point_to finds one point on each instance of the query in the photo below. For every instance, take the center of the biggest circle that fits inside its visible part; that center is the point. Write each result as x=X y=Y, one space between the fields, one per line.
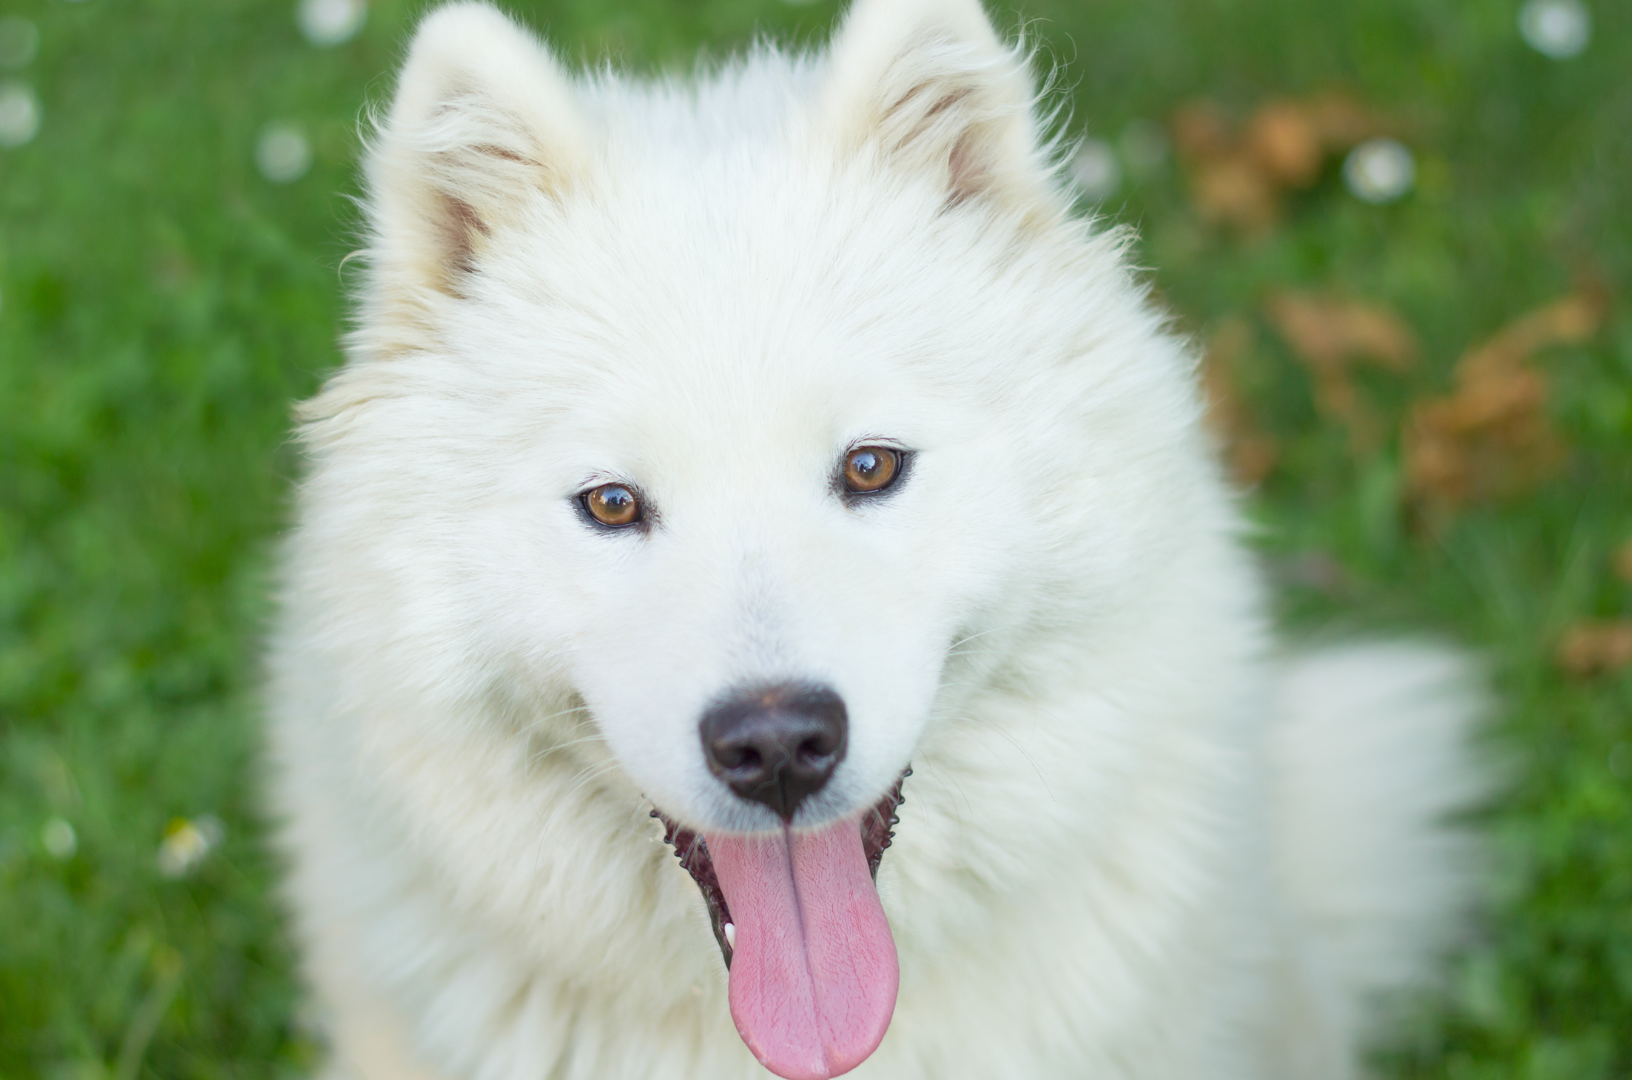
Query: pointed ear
x=483 y=122
x=929 y=87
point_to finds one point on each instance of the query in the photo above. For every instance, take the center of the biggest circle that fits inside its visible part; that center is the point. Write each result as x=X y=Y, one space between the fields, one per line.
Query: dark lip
x=877 y=830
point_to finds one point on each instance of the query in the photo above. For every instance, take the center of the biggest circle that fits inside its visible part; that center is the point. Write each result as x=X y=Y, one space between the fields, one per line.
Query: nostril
x=736 y=757
x=814 y=748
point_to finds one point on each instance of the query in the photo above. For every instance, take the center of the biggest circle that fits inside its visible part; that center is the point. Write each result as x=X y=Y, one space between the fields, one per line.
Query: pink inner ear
x=966 y=176
x=459 y=225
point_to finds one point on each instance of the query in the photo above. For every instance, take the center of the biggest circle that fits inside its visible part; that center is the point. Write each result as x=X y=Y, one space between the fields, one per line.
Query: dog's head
x=758 y=420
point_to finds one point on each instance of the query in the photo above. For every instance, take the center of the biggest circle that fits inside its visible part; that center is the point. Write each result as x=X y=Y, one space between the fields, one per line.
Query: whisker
x=963 y=652
x=568 y=744
x=594 y=772
x=970 y=637
x=947 y=780
x=966 y=719
x=542 y=720
x=1033 y=762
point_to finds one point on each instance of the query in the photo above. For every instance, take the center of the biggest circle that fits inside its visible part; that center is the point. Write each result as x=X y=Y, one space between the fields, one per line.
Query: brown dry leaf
x=1290 y=139
x=1284 y=143
x=1331 y=336
x=1250 y=452
x=1592 y=647
x=1490 y=440
x=1233 y=191
x=1229 y=187
x=1238 y=177
x=1491 y=436
x=1569 y=321
x=1623 y=562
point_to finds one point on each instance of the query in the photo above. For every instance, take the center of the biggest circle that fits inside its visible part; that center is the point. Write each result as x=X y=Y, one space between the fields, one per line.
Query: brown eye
x=613 y=505
x=869 y=469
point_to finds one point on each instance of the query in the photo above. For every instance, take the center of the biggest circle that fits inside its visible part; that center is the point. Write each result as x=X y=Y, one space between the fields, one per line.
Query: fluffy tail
x=1373 y=756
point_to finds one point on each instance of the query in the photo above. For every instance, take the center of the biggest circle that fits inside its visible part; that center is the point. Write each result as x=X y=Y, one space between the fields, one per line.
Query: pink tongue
x=813 y=970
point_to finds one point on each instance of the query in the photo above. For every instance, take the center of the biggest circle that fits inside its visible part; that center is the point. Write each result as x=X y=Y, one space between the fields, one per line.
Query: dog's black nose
x=776 y=745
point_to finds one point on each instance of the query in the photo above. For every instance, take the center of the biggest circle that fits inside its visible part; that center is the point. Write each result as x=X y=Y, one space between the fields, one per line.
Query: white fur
x=1136 y=843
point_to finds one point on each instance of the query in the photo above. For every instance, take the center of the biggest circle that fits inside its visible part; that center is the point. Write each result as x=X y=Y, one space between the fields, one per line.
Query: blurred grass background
x=162 y=301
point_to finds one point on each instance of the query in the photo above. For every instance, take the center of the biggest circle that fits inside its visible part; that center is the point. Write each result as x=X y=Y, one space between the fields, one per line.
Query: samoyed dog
x=769 y=470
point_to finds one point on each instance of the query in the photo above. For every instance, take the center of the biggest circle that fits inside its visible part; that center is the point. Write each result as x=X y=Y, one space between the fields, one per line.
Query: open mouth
x=812 y=962
x=877 y=830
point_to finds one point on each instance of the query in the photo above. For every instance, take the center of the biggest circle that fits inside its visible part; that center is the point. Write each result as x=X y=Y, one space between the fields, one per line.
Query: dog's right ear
x=483 y=124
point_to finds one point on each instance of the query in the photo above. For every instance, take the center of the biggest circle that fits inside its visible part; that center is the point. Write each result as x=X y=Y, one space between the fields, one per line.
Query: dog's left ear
x=928 y=87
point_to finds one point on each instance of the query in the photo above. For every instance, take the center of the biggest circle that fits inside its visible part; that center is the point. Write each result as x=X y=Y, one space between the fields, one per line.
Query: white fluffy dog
x=707 y=453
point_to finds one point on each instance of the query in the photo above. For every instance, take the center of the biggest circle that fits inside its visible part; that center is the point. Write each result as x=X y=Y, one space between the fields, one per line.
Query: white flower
x=59 y=838
x=282 y=153
x=19 y=114
x=331 y=22
x=1095 y=170
x=1556 y=28
x=1380 y=170
x=187 y=843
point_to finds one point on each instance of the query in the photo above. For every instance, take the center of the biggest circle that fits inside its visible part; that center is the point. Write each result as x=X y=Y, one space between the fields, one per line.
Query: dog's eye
x=871 y=469
x=613 y=505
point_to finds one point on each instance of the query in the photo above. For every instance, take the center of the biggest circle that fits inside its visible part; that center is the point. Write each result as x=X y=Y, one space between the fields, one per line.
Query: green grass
x=161 y=304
